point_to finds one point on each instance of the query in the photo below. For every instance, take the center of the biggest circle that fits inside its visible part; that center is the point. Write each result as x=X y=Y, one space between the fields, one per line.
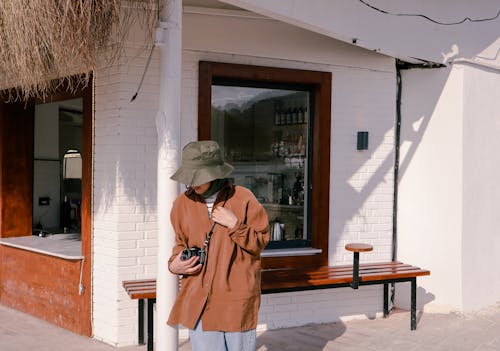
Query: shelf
x=275 y=206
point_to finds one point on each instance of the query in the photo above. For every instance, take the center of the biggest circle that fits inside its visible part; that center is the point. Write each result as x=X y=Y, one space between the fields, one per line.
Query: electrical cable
x=428 y=18
x=143 y=74
x=149 y=58
x=81 y=287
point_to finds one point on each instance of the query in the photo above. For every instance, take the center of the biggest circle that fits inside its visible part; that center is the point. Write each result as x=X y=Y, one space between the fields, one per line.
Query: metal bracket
x=163 y=26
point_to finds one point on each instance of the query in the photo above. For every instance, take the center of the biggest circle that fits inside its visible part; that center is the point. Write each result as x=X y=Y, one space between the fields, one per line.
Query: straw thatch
x=43 y=40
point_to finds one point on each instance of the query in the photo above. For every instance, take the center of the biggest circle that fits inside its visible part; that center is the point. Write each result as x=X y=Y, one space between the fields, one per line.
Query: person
x=219 y=299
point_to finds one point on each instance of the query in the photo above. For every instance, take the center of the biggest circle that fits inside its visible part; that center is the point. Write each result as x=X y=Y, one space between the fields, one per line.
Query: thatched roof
x=43 y=40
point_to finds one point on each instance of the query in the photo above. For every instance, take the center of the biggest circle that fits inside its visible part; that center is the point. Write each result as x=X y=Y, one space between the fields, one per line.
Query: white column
x=169 y=40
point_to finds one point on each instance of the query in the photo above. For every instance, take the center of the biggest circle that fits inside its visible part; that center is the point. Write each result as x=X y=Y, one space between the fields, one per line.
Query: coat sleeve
x=252 y=232
x=180 y=238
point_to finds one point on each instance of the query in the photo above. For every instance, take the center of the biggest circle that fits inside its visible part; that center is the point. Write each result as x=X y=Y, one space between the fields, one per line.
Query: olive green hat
x=202 y=162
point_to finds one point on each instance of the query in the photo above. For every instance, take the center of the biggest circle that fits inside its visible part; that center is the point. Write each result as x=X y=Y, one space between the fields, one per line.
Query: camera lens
x=190 y=252
x=186 y=254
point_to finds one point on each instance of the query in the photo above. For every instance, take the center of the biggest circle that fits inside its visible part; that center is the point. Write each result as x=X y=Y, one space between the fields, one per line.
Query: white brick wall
x=124 y=207
x=124 y=204
x=362 y=100
x=318 y=306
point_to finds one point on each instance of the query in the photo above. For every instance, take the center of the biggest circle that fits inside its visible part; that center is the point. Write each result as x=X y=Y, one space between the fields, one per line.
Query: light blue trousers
x=221 y=341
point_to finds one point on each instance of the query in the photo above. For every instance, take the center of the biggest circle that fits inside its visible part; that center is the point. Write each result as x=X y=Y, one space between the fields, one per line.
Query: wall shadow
x=353 y=209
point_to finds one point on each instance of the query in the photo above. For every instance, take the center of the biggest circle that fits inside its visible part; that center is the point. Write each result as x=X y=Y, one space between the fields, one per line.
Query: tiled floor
x=475 y=332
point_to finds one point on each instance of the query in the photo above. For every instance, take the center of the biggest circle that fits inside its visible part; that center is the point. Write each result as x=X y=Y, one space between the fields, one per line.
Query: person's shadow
x=313 y=337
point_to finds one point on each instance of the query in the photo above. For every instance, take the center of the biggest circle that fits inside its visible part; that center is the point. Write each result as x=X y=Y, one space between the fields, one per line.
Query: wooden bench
x=144 y=289
x=297 y=279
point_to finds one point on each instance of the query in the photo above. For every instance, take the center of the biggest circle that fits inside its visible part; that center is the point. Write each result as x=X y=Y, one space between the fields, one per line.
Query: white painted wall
x=448 y=203
x=430 y=204
x=409 y=37
x=481 y=231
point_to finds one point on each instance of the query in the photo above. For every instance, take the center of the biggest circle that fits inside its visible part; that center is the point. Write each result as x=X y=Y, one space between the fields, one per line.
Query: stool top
x=358 y=247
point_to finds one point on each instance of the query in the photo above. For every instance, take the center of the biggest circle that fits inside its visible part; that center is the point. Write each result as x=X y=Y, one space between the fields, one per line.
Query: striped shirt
x=209 y=201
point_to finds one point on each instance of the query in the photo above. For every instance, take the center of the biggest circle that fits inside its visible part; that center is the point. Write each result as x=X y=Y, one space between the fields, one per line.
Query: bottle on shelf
x=300 y=116
x=300 y=140
x=298 y=189
x=289 y=113
x=277 y=116
x=295 y=113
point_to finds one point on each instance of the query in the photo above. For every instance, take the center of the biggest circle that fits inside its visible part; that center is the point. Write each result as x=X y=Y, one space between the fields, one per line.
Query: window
x=35 y=137
x=57 y=167
x=274 y=127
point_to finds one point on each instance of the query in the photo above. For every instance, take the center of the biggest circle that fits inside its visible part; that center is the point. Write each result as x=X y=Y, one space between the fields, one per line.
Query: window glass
x=57 y=167
x=265 y=134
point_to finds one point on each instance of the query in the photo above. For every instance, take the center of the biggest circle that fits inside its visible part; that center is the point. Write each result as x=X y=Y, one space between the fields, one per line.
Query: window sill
x=66 y=246
x=307 y=251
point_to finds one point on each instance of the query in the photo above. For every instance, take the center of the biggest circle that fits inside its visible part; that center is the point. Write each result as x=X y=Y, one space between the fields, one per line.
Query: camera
x=193 y=251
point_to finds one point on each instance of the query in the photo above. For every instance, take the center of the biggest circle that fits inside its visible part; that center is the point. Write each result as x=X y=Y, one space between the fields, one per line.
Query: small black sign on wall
x=362 y=140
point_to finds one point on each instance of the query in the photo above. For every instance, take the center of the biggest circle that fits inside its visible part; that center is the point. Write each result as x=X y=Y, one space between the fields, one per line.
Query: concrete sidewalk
x=477 y=331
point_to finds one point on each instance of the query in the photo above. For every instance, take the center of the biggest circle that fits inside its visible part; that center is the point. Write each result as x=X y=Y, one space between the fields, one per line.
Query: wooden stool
x=357 y=248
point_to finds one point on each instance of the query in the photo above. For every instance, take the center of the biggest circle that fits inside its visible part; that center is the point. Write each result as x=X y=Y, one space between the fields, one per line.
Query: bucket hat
x=202 y=162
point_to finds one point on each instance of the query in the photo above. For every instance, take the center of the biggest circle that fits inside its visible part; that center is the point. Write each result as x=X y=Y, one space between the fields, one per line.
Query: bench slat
x=138 y=287
x=332 y=273
x=126 y=283
x=344 y=278
x=297 y=278
x=131 y=285
x=147 y=294
x=282 y=280
x=313 y=271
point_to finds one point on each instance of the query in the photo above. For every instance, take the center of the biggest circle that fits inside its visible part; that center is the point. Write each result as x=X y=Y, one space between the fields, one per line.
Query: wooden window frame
x=320 y=83
x=17 y=220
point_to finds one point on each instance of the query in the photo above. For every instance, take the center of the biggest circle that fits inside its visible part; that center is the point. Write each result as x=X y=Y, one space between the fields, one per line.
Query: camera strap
x=209 y=235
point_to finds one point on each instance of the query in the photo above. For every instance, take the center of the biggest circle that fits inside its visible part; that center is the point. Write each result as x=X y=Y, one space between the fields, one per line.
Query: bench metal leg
x=140 y=314
x=413 y=303
x=355 y=271
x=386 y=300
x=151 y=303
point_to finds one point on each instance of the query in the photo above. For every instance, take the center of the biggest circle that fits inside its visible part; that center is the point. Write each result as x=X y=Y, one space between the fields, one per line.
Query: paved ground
x=475 y=332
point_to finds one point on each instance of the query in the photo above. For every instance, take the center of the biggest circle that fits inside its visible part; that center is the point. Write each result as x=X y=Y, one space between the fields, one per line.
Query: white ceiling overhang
x=412 y=38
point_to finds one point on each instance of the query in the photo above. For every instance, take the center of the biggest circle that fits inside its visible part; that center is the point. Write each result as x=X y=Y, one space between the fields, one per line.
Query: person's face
x=200 y=189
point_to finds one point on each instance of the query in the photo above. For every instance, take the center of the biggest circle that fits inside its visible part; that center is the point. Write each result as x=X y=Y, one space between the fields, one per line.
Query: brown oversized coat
x=226 y=293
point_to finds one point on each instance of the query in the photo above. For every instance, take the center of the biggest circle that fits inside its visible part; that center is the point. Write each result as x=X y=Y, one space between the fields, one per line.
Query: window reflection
x=265 y=134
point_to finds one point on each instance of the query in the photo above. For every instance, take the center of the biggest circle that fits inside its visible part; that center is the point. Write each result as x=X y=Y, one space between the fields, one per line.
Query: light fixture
x=72 y=165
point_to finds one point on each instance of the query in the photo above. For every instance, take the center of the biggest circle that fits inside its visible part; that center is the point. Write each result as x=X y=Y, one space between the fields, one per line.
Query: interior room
x=57 y=168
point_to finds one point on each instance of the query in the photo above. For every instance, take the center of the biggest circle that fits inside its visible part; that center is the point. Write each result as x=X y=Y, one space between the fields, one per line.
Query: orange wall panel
x=45 y=287
x=16 y=167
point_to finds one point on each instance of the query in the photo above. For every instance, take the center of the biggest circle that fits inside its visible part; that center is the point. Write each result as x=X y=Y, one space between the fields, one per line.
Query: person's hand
x=224 y=217
x=188 y=267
